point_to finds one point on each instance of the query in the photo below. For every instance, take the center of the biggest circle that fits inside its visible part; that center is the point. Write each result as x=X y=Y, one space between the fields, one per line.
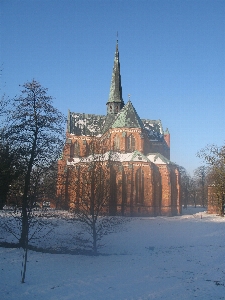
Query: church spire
x=115 y=102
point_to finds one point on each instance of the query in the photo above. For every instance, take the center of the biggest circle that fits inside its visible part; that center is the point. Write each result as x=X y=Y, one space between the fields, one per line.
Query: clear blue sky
x=172 y=56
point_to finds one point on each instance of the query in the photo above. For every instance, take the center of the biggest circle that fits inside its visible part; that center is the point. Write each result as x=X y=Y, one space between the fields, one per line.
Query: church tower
x=115 y=102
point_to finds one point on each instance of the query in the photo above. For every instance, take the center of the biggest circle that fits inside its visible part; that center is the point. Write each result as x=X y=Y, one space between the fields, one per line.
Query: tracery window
x=76 y=149
x=139 y=186
x=130 y=143
x=116 y=143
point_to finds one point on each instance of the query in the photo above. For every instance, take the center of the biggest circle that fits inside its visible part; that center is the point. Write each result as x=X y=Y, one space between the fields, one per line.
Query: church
x=137 y=177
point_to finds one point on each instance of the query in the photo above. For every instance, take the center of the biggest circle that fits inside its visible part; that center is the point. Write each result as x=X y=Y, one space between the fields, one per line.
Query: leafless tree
x=200 y=176
x=36 y=132
x=93 y=191
x=193 y=194
x=214 y=156
x=185 y=186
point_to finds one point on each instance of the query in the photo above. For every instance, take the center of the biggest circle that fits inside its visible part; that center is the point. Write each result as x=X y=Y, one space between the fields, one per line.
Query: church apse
x=142 y=179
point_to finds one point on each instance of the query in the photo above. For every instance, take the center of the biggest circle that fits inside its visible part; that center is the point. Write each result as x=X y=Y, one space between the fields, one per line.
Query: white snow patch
x=152 y=258
x=113 y=156
x=156 y=159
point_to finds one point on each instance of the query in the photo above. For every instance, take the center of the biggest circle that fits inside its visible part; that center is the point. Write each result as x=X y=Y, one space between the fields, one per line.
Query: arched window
x=91 y=148
x=130 y=143
x=76 y=147
x=139 y=186
x=116 y=143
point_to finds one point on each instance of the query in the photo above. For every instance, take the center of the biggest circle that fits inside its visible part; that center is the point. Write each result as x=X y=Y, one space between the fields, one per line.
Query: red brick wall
x=161 y=188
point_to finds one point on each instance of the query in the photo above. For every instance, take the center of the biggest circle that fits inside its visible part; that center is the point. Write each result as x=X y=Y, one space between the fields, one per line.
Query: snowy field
x=150 y=258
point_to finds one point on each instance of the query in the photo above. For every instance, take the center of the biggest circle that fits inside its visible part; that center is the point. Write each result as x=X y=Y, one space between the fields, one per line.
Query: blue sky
x=172 y=56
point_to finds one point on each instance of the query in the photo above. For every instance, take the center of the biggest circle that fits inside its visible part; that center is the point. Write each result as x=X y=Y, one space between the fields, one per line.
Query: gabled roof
x=128 y=117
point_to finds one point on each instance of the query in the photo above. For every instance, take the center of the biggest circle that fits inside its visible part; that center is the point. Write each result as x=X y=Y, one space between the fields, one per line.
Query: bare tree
x=10 y=164
x=214 y=156
x=200 y=175
x=4 y=103
x=36 y=132
x=185 y=186
x=92 y=194
x=10 y=170
x=193 y=194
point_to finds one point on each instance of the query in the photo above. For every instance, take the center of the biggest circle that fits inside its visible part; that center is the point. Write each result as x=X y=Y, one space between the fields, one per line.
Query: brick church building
x=141 y=178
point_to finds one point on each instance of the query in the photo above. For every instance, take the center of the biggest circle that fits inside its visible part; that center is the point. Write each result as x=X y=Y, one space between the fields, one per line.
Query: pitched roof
x=108 y=122
x=94 y=125
x=128 y=117
x=85 y=124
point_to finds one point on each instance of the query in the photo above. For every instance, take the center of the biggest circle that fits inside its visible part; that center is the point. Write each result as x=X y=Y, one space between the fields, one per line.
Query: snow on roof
x=96 y=125
x=85 y=124
x=159 y=159
x=113 y=156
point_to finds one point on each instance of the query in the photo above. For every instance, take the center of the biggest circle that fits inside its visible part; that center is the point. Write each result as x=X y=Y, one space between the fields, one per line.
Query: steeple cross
x=129 y=97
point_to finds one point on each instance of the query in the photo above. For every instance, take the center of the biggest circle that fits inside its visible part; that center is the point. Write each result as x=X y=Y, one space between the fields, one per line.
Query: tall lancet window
x=76 y=151
x=116 y=143
x=139 y=186
x=130 y=143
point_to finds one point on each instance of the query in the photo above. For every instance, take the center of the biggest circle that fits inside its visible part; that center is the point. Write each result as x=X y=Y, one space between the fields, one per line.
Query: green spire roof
x=128 y=117
x=115 y=94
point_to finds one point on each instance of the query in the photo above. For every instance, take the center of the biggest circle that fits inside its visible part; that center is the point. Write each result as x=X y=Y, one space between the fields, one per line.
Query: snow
x=113 y=156
x=179 y=257
x=156 y=159
x=136 y=156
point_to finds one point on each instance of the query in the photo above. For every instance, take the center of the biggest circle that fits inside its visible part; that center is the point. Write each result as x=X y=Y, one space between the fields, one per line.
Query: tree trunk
x=25 y=224
x=194 y=198
x=1 y=203
x=24 y=231
x=94 y=234
x=222 y=206
x=23 y=272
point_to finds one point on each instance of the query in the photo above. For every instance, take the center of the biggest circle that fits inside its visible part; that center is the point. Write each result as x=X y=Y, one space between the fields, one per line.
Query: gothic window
x=139 y=186
x=71 y=150
x=116 y=143
x=91 y=148
x=76 y=149
x=130 y=143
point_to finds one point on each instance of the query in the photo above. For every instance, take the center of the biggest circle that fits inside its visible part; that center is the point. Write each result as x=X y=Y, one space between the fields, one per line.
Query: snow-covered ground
x=151 y=258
